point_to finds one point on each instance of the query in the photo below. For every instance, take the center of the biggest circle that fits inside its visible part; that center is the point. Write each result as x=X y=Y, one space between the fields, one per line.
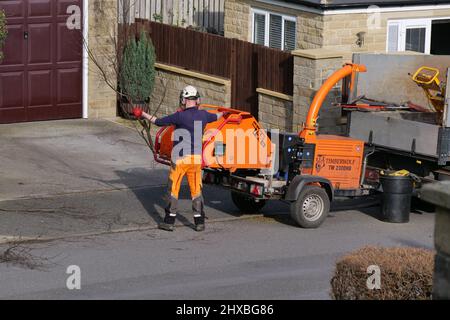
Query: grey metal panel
x=446 y=121
x=387 y=76
x=394 y=133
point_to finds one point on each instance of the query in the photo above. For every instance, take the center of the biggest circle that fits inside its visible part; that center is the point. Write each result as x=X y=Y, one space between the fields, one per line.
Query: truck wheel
x=247 y=204
x=311 y=208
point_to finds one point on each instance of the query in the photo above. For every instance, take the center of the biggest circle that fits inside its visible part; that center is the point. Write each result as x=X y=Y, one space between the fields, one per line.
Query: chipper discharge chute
x=304 y=169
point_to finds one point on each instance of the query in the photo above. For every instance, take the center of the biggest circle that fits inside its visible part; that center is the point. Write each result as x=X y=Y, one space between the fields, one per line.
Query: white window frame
x=267 y=14
x=405 y=24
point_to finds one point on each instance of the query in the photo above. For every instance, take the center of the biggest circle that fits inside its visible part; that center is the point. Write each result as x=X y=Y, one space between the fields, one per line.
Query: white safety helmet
x=190 y=93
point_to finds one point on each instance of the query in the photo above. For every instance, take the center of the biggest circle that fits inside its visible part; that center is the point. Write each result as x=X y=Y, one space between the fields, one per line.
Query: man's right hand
x=137 y=112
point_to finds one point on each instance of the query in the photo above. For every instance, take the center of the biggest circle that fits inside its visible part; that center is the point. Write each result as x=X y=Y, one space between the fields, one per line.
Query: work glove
x=137 y=112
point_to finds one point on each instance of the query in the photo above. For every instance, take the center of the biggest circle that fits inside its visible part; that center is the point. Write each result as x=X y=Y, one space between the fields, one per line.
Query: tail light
x=256 y=190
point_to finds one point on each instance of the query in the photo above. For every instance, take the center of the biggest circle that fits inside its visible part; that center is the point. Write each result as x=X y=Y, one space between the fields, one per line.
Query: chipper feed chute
x=236 y=141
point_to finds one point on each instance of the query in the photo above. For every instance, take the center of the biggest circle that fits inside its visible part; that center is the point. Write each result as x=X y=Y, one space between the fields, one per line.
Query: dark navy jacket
x=187 y=120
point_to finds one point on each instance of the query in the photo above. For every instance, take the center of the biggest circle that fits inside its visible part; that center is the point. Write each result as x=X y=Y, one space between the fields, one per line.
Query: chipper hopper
x=236 y=141
x=304 y=169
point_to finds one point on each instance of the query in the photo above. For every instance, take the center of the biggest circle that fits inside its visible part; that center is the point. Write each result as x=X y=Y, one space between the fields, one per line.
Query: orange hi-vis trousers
x=191 y=167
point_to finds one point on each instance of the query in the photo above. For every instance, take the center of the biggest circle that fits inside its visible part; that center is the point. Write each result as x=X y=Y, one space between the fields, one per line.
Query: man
x=188 y=159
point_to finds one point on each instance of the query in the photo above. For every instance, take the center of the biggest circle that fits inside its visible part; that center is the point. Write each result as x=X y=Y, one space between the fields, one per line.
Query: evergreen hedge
x=137 y=75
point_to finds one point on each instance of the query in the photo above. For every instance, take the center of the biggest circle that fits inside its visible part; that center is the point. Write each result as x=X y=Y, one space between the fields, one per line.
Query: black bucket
x=396 y=200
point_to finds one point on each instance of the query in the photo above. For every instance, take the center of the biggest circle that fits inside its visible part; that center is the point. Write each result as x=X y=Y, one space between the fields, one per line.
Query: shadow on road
x=366 y=205
x=153 y=198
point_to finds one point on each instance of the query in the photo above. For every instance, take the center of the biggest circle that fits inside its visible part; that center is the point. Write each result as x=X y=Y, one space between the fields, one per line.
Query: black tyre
x=247 y=204
x=311 y=208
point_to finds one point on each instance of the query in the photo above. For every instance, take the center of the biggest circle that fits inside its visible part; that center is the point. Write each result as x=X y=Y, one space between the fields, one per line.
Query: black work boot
x=171 y=213
x=169 y=222
x=199 y=224
x=166 y=226
x=199 y=213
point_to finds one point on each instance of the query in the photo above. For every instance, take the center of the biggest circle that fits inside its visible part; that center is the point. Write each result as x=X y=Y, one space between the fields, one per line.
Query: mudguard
x=300 y=181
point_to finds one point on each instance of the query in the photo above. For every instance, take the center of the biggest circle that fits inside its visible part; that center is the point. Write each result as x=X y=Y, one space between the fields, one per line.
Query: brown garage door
x=41 y=75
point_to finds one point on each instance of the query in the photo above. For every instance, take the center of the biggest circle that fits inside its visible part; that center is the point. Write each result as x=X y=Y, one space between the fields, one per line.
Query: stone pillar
x=275 y=110
x=102 y=100
x=311 y=68
x=439 y=195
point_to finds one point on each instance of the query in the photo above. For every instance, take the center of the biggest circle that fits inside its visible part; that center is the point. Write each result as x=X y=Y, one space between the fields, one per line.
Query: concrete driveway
x=61 y=157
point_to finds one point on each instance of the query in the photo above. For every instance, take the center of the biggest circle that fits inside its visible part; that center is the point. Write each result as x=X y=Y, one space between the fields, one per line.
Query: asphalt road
x=251 y=258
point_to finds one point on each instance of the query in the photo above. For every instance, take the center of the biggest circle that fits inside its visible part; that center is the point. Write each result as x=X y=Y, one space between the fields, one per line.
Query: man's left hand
x=137 y=112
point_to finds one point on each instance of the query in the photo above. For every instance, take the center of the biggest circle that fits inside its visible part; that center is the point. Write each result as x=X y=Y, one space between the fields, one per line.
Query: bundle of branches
x=405 y=274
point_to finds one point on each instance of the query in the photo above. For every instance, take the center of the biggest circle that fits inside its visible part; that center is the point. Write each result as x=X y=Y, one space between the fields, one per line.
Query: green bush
x=406 y=274
x=3 y=32
x=137 y=75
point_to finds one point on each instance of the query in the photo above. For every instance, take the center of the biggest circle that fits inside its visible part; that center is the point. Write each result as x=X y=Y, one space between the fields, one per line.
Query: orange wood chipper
x=305 y=169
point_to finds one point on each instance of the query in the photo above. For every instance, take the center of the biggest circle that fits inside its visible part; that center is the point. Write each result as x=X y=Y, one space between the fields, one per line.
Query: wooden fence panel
x=191 y=50
x=249 y=66
x=275 y=70
x=244 y=77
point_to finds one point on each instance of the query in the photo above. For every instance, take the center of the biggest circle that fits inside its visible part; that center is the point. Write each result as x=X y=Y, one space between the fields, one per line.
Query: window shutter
x=260 y=29
x=289 y=35
x=275 y=34
x=415 y=39
x=393 y=35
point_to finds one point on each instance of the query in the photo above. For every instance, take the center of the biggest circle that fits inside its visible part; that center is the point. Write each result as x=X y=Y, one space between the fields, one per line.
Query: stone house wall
x=171 y=80
x=102 y=23
x=311 y=69
x=314 y=30
x=275 y=110
x=340 y=30
x=238 y=22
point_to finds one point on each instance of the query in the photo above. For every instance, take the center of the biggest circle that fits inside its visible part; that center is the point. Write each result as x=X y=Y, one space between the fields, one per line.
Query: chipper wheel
x=247 y=204
x=311 y=208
